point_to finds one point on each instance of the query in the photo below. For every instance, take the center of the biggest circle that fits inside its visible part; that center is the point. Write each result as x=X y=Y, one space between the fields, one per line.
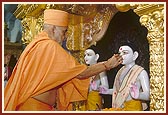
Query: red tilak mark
x=120 y=48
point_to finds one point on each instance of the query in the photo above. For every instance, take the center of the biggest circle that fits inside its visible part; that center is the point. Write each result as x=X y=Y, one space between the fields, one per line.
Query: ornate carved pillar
x=152 y=17
x=31 y=19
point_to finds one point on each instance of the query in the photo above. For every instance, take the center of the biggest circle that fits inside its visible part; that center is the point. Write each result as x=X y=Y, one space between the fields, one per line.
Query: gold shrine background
x=88 y=24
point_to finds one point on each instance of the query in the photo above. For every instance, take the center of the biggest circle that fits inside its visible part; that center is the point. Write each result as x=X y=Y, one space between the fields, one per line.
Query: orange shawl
x=44 y=65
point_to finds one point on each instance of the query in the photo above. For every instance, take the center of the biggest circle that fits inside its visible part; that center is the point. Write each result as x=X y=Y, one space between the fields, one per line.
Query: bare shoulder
x=143 y=74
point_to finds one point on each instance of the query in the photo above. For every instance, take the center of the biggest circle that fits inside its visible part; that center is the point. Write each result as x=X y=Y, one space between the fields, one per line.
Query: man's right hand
x=114 y=61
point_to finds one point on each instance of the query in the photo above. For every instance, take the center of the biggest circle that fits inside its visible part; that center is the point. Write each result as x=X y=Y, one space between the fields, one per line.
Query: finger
x=116 y=55
x=120 y=58
x=119 y=62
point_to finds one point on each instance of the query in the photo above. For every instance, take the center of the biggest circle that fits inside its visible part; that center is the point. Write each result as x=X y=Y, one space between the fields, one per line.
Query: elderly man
x=46 y=74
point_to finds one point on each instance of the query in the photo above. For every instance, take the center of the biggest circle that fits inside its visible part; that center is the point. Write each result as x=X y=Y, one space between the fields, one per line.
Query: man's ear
x=136 y=54
x=97 y=57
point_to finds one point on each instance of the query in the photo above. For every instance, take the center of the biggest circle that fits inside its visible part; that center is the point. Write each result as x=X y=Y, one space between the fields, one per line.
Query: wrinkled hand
x=104 y=90
x=134 y=91
x=114 y=61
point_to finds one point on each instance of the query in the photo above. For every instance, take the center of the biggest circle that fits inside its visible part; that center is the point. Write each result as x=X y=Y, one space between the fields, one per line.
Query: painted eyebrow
x=125 y=50
x=89 y=53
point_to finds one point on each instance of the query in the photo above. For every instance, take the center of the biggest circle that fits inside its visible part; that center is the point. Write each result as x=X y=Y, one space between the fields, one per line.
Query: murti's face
x=127 y=54
x=90 y=56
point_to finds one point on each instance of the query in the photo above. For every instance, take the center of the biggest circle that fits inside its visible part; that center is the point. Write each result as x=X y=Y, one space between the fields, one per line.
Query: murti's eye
x=125 y=52
x=89 y=54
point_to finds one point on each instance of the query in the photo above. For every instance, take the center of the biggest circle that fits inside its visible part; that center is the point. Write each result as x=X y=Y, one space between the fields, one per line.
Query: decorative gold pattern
x=152 y=17
x=31 y=26
x=91 y=24
x=90 y=30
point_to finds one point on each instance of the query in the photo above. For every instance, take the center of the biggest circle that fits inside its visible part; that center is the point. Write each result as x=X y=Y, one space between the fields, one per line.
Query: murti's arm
x=104 y=80
x=144 y=78
x=145 y=93
x=104 y=88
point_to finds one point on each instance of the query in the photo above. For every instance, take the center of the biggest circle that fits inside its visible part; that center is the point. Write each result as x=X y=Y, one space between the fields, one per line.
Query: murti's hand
x=93 y=85
x=103 y=90
x=134 y=91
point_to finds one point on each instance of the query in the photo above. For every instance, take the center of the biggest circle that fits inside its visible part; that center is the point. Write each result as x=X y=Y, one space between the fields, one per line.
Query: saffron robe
x=32 y=104
x=42 y=66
